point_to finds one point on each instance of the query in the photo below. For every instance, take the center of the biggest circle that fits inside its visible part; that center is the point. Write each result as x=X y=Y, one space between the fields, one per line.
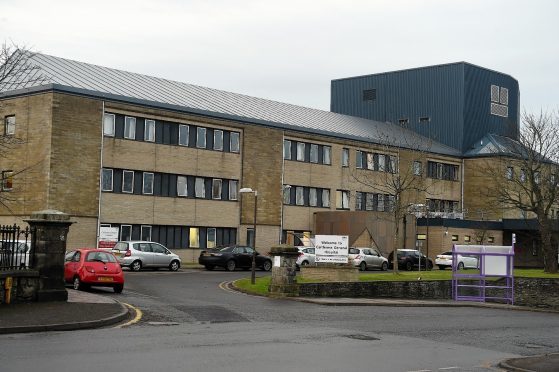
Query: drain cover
x=363 y=337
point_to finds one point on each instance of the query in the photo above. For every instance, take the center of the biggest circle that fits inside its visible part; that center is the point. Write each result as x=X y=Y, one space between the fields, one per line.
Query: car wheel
x=429 y=266
x=441 y=267
x=267 y=266
x=305 y=263
x=210 y=267
x=136 y=265
x=460 y=265
x=174 y=265
x=77 y=283
x=409 y=266
x=363 y=266
x=118 y=288
x=230 y=265
x=384 y=266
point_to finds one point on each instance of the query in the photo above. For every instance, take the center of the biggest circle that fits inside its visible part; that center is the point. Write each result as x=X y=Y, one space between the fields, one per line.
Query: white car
x=368 y=258
x=306 y=256
x=444 y=260
x=15 y=254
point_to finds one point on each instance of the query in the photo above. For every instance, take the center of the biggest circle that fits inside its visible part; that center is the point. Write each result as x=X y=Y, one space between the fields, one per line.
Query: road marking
x=421 y=370
x=136 y=318
x=448 y=368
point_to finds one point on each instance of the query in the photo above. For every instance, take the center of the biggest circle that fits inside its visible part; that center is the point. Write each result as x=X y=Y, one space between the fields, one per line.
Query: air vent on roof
x=369 y=95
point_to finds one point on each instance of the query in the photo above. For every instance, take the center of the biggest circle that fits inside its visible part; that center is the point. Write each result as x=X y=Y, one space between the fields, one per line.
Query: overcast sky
x=290 y=50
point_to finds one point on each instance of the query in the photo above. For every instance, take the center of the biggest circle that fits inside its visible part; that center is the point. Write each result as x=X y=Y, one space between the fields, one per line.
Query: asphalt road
x=190 y=323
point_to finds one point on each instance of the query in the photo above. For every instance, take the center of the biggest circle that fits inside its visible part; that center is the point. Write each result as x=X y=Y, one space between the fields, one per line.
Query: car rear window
x=447 y=253
x=353 y=251
x=100 y=256
x=121 y=247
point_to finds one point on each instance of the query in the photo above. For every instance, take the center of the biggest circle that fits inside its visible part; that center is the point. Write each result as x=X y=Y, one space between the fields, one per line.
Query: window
x=537 y=177
x=326 y=155
x=369 y=94
x=194 y=237
x=358 y=201
x=216 y=188
x=345 y=157
x=417 y=168
x=183 y=135
x=522 y=175
x=358 y=159
x=299 y=196
x=442 y=171
x=128 y=181
x=7 y=180
x=326 y=198
x=149 y=131
x=370 y=161
x=234 y=142
x=424 y=119
x=146 y=233
x=126 y=232
x=200 y=188
x=314 y=153
x=380 y=203
x=233 y=190
x=381 y=163
x=490 y=239
x=10 y=125
x=211 y=238
x=107 y=180
x=129 y=127
x=467 y=238
x=342 y=199
x=182 y=188
x=249 y=242
x=201 y=138
x=454 y=238
x=286 y=195
x=300 y=151
x=392 y=164
x=404 y=122
x=312 y=197
x=218 y=140
x=509 y=173
x=287 y=149
x=109 y=125
x=148 y=183
x=370 y=202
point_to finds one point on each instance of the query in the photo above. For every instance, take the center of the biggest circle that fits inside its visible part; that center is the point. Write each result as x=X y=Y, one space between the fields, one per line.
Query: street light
x=253 y=271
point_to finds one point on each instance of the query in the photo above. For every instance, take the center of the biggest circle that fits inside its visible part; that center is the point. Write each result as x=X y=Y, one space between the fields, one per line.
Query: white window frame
x=358 y=159
x=326 y=198
x=220 y=147
x=417 y=168
x=300 y=151
x=235 y=195
x=237 y=143
x=130 y=127
x=200 y=181
x=299 y=195
x=208 y=237
x=342 y=199
x=149 y=130
x=149 y=192
x=199 y=137
x=345 y=157
x=145 y=227
x=110 y=125
x=123 y=177
x=184 y=141
x=121 y=234
x=9 y=125
x=217 y=181
x=103 y=179
x=287 y=149
x=180 y=191
x=313 y=200
x=326 y=155
x=314 y=154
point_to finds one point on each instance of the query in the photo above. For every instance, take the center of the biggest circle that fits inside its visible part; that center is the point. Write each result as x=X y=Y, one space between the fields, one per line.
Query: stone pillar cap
x=49 y=215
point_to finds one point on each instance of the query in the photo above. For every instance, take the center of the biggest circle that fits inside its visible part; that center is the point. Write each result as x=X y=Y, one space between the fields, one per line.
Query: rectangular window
x=424 y=119
x=358 y=159
x=370 y=161
x=326 y=198
x=125 y=232
x=345 y=157
x=467 y=238
x=211 y=238
x=183 y=135
x=417 y=168
x=10 y=125
x=128 y=181
x=233 y=189
x=234 y=142
x=182 y=188
x=194 y=237
x=299 y=196
x=146 y=233
x=7 y=180
x=109 y=125
x=286 y=195
x=370 y=202
x=148 y=183
x=404 y=122
x=454 y=238
x=381 y=162
x=342 y=199
x=380 y=203
x=287 y=149
x=107 y=180
x=326 y=155
x=216 y=188
x=490 y=239
x=312 y=197
x=201 y=138
x=358 y=201
x=300 y=151
x=218 y=140
x=393 y=165
x=149 y=131
x=129 y=127
x=537 y=178
x=522 y=175
x=199 y=188
x=314 y=153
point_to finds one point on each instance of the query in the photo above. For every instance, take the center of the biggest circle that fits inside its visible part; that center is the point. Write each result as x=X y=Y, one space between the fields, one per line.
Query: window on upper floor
x=107 y=180
x=522 y=175
x=345 y=157
x=109 y=125
x=509 y=173
x=127 y=181
x=7 y=180
x=129 y=127
x=300 y=151
x=182 y=186
x=358 y=159
x=342 y=199
x=233 y=185
x=404 y=122
x=287 y=149
x=10 y=125
x=286 y=195
x=358 y=201
x=200 y=188
x=201 y=138
x=183 y=134
x=442 y=171
x=327 y=155
x=299 y=195
x=326 y=198
x=234 y=142
x=417 y=168
x=313 y=200
x=147 y=183
x=218 y=140
x=537 y=178
x=216 y=188
x=149 y=131
x=314 y=153
x=424 y=119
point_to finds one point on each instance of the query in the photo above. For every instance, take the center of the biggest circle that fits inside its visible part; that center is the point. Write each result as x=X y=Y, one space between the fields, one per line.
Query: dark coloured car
x=408 y=259
x=233 y=257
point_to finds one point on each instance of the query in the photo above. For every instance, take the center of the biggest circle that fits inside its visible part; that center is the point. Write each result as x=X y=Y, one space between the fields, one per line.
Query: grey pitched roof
x=107 y=83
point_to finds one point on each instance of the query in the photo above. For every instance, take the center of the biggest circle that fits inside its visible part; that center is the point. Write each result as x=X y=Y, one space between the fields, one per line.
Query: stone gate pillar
x=284 y=271
x=48 y=246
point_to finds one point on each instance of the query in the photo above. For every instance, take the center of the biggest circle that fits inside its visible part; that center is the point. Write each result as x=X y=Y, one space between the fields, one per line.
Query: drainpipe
x=100 y=176
x=462 y=189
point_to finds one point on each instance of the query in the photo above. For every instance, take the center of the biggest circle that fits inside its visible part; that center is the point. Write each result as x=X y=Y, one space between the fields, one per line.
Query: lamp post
x=253 y=270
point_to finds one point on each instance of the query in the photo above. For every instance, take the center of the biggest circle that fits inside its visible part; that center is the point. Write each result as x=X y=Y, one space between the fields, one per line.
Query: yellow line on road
x=136 y=318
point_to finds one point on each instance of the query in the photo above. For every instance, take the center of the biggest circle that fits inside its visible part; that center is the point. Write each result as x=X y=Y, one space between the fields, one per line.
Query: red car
x=93 y=267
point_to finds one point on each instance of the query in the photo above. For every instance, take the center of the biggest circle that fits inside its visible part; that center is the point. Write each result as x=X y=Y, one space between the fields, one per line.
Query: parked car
x=306 y=256
x=408 y=259
x=233 y=257
x=15 y=254
x=444 y=260
x=367 y=258
x=139 y=254
x=93 y=267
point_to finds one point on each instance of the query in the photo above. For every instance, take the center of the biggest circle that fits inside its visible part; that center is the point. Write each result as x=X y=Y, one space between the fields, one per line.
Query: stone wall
x=331 y=273
x=25 y=285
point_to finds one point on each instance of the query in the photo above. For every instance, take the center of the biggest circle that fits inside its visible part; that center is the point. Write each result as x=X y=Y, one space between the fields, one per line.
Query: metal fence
x=15 y=248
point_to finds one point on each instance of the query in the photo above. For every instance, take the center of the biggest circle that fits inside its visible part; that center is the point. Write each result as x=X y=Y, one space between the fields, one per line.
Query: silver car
x=368 y=258
x=139 y=254
x=306 y=256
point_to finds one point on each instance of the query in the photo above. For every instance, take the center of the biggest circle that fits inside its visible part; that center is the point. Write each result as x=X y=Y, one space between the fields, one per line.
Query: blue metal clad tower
x=456 y=104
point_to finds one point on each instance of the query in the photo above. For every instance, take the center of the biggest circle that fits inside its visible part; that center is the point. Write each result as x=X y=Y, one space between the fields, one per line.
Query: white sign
x=108 y=236
x=331 y=248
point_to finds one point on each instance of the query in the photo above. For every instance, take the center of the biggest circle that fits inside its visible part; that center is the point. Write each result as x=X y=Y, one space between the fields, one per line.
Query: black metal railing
x=15 y=248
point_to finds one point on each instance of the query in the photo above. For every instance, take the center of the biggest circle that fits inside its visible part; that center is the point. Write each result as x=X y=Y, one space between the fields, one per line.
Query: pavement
x=88 y=310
